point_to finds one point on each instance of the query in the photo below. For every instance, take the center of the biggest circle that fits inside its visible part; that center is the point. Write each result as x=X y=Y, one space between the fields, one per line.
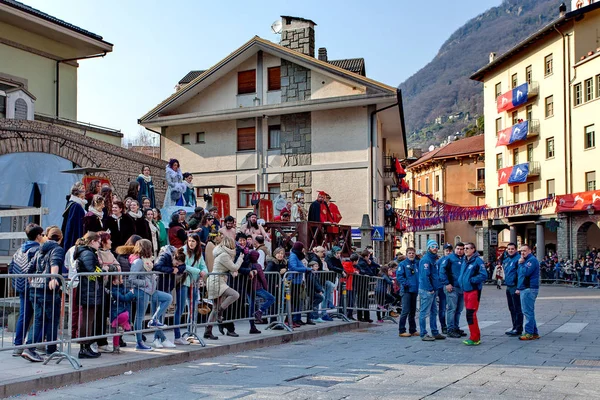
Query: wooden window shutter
x=274 y=78
x=247 y=81
x=246 y=139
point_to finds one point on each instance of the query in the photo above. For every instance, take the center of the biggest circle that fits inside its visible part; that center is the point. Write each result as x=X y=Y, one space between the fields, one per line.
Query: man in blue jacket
x=472 y=276
x=429 y=283
x=511 y=267
x=528 y=287
x=440 y=294
x=449 y=273
x=407 y=276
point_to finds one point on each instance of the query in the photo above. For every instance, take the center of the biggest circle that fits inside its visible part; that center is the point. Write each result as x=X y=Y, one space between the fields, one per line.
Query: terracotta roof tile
x=470 y=145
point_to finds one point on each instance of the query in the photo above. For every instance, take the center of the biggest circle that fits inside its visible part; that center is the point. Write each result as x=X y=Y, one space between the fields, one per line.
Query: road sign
x=378 y=234
x=355 y=234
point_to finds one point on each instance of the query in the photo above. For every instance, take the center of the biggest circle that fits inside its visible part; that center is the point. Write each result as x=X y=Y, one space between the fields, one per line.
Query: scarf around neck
x=148 y=179
x=97 y=213
x=75 y=199
x=136 y=215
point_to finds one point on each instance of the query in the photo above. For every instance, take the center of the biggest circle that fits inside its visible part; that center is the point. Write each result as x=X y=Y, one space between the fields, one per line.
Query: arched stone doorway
x=588 y=236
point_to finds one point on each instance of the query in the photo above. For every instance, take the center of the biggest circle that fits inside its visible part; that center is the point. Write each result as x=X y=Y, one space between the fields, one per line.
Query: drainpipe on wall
x=58 y=74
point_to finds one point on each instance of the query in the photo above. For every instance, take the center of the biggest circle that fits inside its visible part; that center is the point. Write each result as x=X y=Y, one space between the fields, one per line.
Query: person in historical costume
x=336 y=216
x=146 y=187
x=72 y=225
x=319 y=211
x=189 y=196
x=298 y=213
x=176 y=185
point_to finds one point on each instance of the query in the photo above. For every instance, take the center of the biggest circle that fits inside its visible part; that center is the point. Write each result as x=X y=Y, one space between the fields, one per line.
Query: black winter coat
x=91 y=289
x=334 y=264
x=121 y=231
x=164 y=263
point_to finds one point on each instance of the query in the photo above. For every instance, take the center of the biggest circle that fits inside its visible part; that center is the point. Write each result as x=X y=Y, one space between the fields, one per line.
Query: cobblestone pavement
x=375 y=363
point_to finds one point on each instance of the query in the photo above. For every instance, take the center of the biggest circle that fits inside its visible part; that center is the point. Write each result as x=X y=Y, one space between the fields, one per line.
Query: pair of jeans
x=428 y=306
x=456 y=304
x=442 y=306
x=25 y=317
x=409 y=310
x=528 y=297
x=317 y=299
x=182 y=295
x=472 y=305
x=268 y=298
x=46 y=306
x=349 y=302
x=158 y=299
x=514 y=306
x=327 y=297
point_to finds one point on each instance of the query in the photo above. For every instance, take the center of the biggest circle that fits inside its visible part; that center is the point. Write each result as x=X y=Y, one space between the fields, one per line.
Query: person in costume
x=146 y=186
x=298 y=213
x=319 y=211
x=176 y=186
x=73 y=215
x=189 y=196
x=336 y=216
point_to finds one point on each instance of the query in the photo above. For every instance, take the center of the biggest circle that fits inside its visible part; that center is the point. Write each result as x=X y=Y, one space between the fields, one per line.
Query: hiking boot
x=428 y=338
x=526 y=336
x=470 y=342
x=258 y=316
x=405 y=334
x=31 y=355
x=254 y=331
x=208 y=333
x=439 y=336
x=454 y=335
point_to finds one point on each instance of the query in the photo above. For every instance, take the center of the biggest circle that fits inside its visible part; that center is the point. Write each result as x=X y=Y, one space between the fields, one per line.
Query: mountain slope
x=443 y=87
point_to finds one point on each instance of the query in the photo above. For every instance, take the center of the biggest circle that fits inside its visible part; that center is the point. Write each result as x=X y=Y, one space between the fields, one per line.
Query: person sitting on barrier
x=351 y=270
x=314 y=293
x=90 y=293
x=382 y=291
x=260 y=288
x=20 y=265
x=407 y=277
x=218 y=290
x=367 y=268
x=145 y=286
x=195 y=270
x=120 y=304
x=295 y=265
x=45 y=293
x=277 y=263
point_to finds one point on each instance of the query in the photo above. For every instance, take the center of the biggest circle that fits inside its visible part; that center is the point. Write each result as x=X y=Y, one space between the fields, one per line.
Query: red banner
x=504 y=137
x=578 y=201
x=221 y=201
x=505 y=102
x=503 y=175
x=265 y=209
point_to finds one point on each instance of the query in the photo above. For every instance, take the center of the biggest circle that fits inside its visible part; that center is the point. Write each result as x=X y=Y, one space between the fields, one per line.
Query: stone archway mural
x=21 y=136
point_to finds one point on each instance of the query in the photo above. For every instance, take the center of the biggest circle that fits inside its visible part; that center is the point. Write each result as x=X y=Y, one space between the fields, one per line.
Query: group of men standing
x=453 y=282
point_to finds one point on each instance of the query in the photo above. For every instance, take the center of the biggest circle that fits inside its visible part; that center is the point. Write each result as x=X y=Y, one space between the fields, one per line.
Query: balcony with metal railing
x=476 y=188
x=535 y=169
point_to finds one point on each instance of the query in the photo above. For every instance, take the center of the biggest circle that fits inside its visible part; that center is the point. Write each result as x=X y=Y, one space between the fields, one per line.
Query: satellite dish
x=431 y=147
x=277 y=26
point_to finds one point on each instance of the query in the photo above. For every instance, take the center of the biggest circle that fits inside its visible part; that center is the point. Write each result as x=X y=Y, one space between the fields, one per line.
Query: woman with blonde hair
x=218 y=290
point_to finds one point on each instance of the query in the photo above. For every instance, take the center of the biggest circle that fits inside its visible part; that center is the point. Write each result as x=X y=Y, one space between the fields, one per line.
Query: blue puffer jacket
x=120 y=300
x=529 y=274
x=407 y=276
x=511 y=269
x=472 y=274
x=429 y=277
x=450 y=271
x=295 y=265
x=20 y=263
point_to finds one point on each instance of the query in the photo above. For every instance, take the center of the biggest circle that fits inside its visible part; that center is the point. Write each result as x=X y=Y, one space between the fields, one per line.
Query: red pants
x=123 y=321
x=472 y=305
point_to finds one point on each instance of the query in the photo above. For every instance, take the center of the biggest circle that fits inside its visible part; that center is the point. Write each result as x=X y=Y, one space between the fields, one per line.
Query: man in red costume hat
x=319 y=211
x=336 y=216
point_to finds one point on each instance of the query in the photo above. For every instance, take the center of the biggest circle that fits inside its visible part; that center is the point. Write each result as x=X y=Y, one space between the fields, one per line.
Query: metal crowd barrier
x=370 y=293
x=33 y=318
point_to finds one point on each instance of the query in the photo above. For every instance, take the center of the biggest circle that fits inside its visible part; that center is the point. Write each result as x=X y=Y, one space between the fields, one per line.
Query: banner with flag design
x=513 y=175
x=513 y=134
x=513 y=98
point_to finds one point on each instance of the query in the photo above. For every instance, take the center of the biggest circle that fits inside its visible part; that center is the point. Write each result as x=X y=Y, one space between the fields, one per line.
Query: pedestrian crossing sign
x=378 y=234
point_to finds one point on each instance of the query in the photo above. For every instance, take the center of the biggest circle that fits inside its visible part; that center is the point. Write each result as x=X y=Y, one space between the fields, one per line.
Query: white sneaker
x=94 y=347
x=157 y=344
x=168 y=344
x=106 y=349
x=181 y=342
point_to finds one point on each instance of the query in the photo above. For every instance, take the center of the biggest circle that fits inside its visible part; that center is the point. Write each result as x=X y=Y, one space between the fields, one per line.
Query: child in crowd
x=259 y=288
x=383 y=291
x=314 y=292
x=120 y=303
x=350 y=270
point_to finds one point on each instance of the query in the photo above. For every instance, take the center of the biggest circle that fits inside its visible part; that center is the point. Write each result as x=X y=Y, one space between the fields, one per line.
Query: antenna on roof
x=276 y=26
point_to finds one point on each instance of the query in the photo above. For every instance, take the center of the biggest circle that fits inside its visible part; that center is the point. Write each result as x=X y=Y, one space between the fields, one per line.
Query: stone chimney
x=492 y=57
x=298 y=34
x=323 y=54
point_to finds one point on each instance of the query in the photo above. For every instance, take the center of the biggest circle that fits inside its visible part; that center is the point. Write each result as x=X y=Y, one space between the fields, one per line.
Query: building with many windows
x=273 y=118
x=542 y=109
x=453 y=174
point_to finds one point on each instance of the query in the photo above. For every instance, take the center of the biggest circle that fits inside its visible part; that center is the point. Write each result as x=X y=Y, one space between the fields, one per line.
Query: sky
x=157 y=42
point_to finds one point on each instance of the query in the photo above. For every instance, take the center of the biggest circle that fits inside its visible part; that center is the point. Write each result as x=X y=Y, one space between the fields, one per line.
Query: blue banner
x=519 y=132
x=519 y=95
x=519 y=173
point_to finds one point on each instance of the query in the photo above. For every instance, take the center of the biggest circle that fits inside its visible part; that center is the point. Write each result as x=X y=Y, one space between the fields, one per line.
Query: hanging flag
x=513 y=98
x=519 y=132
x=399 y=169
x=503 y=175
x=519 y=173
x=504 y=102
x=504 y=137
x=403 y=187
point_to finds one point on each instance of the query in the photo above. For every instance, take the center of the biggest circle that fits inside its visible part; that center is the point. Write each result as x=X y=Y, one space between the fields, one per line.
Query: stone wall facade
x=20 y=136
x=295 y=142
x=301 y=40
x=572 y=231
x=295 y=82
